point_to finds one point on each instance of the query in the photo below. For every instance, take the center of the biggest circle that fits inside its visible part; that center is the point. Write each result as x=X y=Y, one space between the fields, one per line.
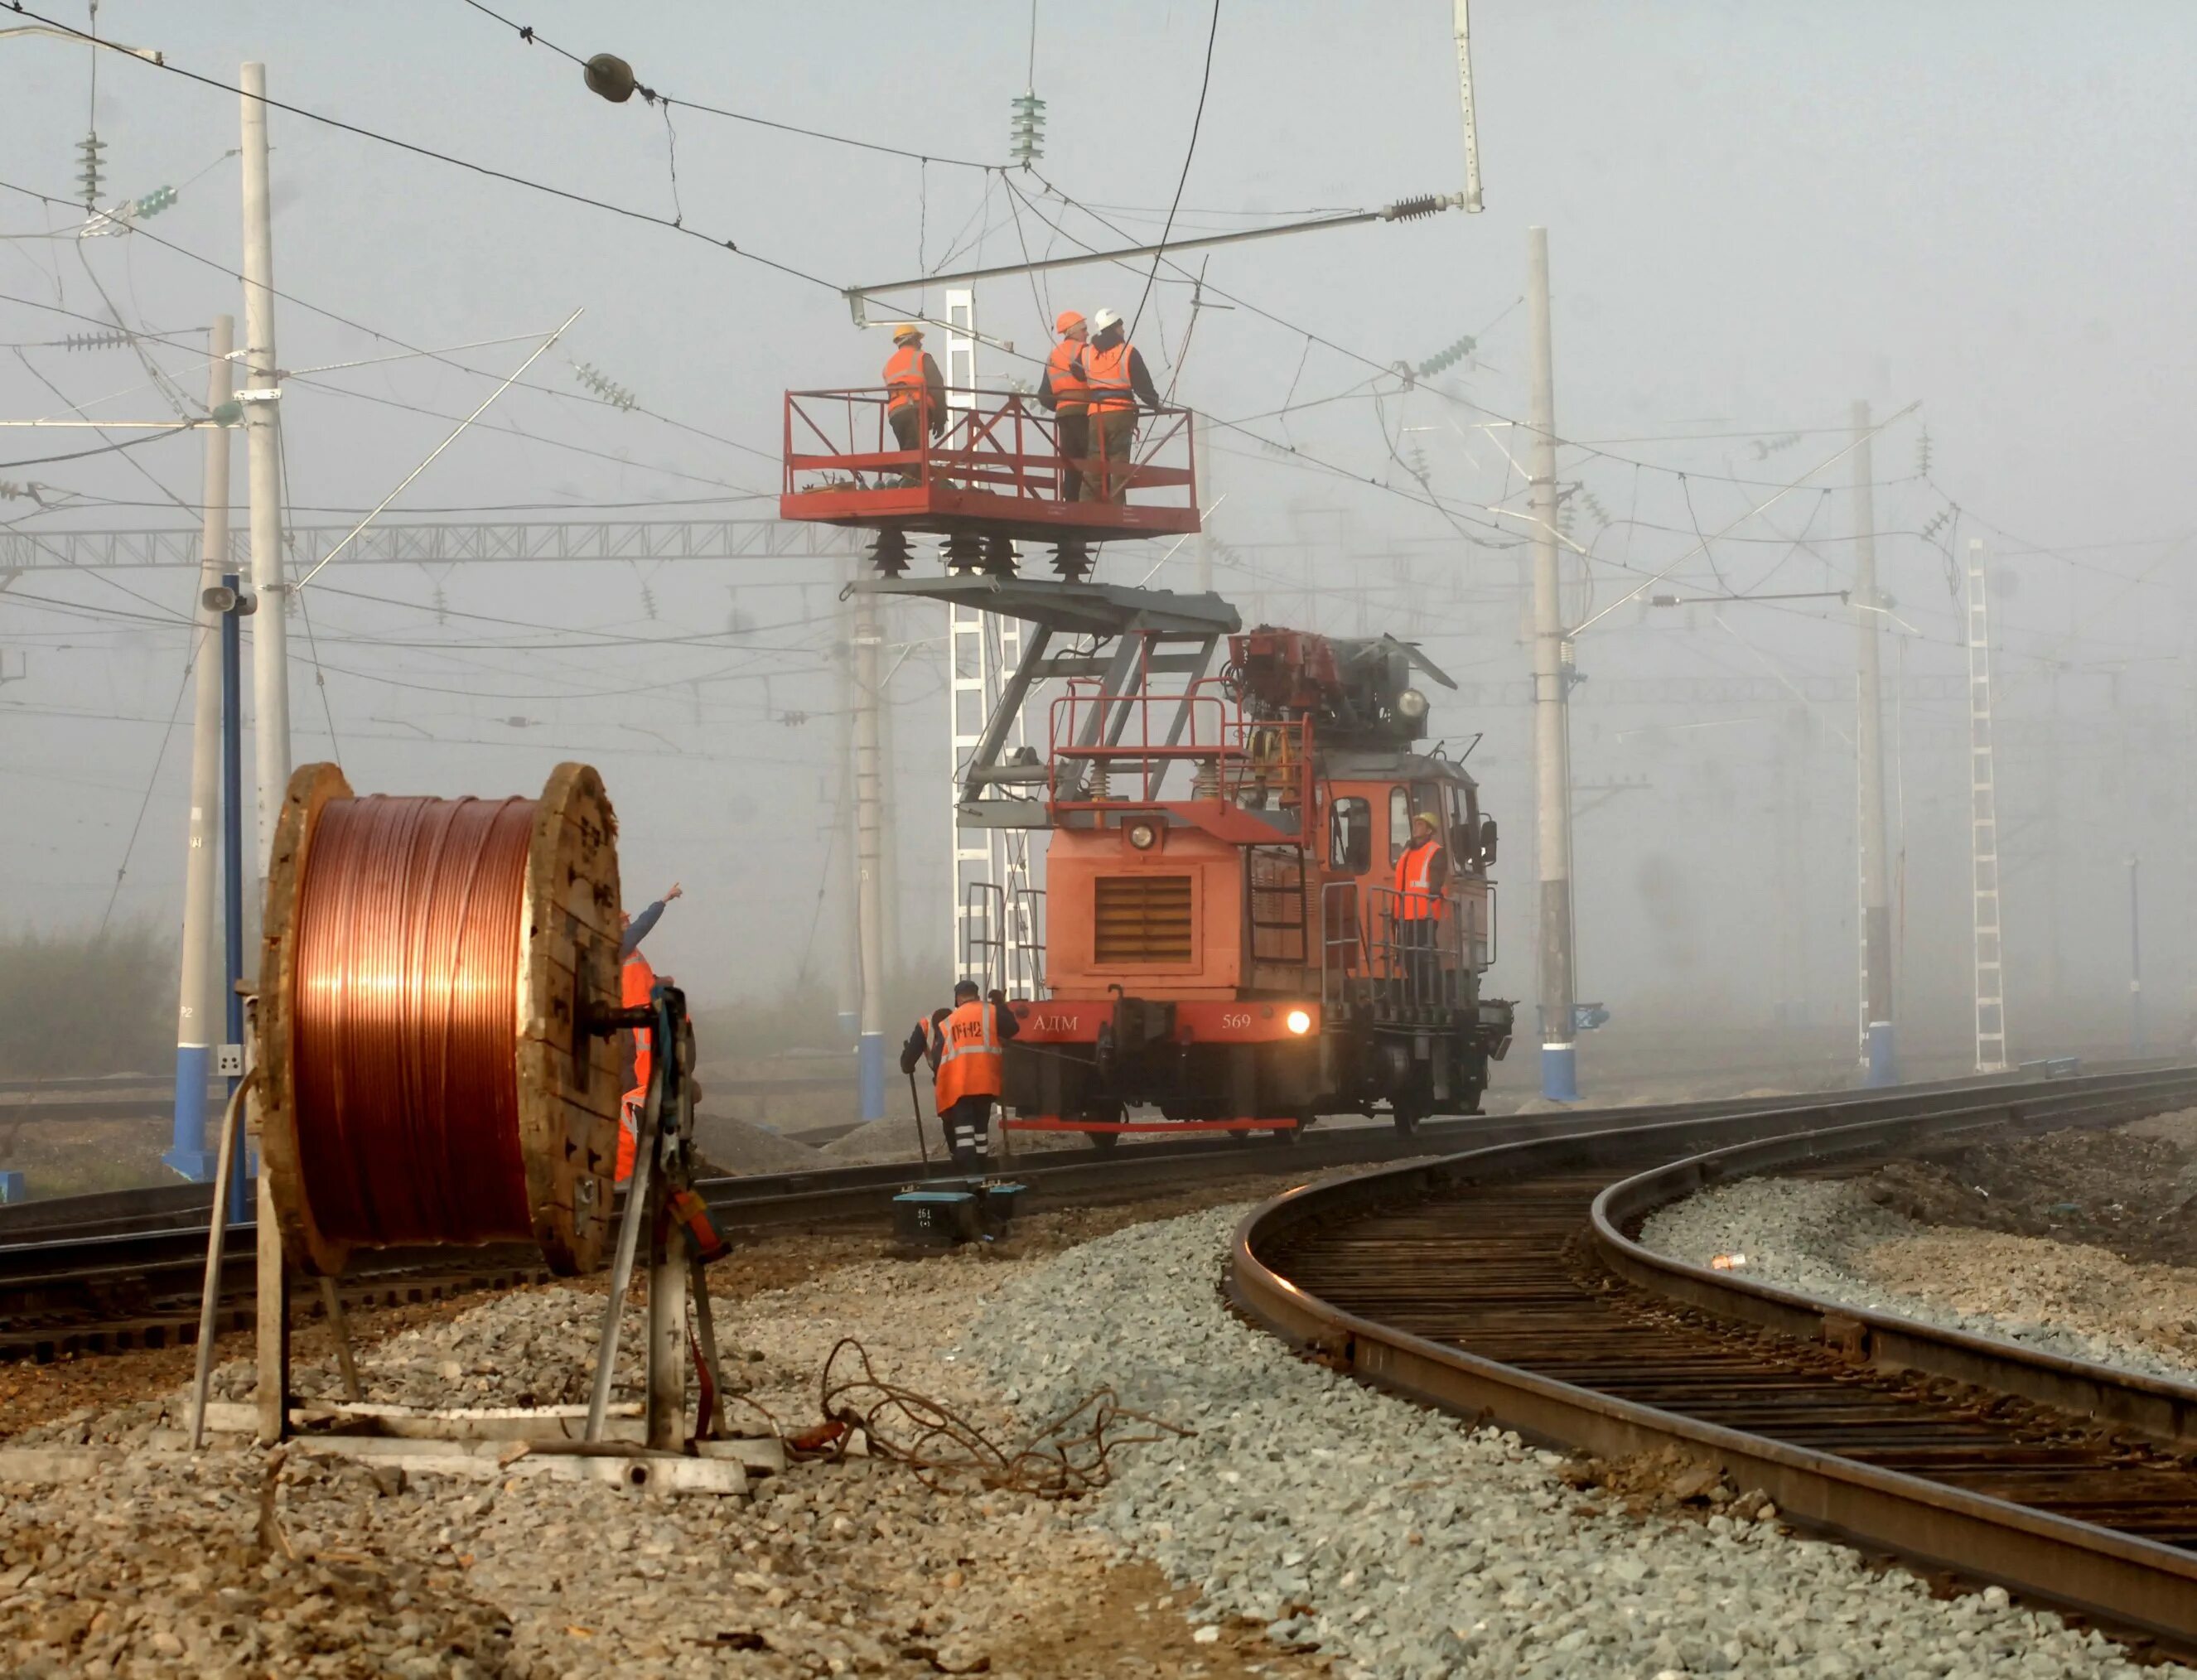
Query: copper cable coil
x=409 y=927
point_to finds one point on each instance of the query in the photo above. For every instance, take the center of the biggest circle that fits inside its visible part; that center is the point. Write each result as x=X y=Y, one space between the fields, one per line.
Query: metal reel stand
x=599 y=1442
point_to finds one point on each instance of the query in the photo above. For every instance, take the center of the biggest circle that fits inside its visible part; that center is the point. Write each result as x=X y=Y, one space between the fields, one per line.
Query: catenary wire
x=492 y=173
x=1197 y=122
x=534 y=38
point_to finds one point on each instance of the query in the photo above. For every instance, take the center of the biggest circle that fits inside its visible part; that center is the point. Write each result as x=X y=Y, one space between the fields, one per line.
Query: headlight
x=1412 y=705
x=1299 y=1021
x=1142 y=836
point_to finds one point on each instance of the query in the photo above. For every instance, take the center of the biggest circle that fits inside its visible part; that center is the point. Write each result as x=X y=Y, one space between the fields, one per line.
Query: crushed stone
x=237 y=1562
x=1837 y=1239
x=1400 y=1542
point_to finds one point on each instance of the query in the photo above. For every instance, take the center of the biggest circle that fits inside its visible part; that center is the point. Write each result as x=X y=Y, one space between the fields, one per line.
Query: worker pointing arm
x=637 y=928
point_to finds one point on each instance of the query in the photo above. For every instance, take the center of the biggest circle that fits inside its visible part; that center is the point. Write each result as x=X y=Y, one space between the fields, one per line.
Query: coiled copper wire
x=407 y=1020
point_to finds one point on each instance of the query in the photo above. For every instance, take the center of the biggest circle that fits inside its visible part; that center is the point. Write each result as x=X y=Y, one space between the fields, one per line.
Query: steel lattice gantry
x=438 y=543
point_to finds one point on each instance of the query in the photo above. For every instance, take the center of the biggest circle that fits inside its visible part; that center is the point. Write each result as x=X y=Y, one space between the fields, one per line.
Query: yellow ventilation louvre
x=1140 y=918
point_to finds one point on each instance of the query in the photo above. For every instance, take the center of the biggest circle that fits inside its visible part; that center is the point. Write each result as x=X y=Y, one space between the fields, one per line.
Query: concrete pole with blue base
x=195 y=1014
x=1880 y=1059
x=869 y=857
x=1553 y=764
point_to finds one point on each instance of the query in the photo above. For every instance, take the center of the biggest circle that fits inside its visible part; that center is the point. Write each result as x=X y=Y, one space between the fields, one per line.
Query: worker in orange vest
x=1422 y=902
x=636 y=981
x=916 y=393
x=1115 y=373
x=966 y=1048
x=1063 y=390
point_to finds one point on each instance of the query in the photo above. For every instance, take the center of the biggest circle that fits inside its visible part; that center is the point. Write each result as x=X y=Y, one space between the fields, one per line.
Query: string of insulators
x=1448 y=359
x=1409 y=210
x=605 y=387
x=1026 y=129
x=406 y=1012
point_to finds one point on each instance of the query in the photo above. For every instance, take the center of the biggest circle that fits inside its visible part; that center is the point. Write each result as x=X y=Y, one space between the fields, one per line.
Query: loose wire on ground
x=1064 y=1457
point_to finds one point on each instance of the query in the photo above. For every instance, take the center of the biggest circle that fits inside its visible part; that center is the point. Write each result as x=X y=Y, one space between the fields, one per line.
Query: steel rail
x=120 y=1269
x=1494 y=1256
x=157 y=1208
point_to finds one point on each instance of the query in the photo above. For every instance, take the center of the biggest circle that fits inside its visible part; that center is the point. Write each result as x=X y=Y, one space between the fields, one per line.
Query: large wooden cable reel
x=553 y=1175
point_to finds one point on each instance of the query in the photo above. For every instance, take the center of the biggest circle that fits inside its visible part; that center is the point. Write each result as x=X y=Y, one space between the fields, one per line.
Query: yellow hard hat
x=907 y=329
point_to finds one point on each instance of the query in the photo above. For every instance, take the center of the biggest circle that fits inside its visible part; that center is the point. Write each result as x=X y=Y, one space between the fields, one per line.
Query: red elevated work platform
x=995 y=473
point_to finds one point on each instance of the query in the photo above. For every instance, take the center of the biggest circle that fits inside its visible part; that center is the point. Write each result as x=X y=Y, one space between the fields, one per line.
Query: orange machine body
x=1223 y=943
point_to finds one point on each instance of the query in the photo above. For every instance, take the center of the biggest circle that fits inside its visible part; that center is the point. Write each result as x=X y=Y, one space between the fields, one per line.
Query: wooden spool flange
x=568 y=1079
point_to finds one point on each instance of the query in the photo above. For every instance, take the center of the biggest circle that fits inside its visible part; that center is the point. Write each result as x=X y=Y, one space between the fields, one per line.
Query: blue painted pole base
x=1883 y=1065
x=870 y=1068
x=1560 y=1072
x=187 y=1151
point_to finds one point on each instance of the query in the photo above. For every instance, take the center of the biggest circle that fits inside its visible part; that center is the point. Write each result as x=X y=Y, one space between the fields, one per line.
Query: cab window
x=1350 y=836
x=1406 y=803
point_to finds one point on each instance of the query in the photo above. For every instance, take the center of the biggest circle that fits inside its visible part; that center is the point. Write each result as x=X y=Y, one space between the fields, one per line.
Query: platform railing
x=1105 y=750
x=1000 y=443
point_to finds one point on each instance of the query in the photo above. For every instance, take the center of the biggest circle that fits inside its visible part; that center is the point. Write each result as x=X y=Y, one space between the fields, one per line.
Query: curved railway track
x=1506 y=1283
x=121 y=1270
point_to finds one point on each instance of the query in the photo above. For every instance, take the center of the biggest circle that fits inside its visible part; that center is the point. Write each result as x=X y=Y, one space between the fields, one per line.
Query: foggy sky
x=1757 y=215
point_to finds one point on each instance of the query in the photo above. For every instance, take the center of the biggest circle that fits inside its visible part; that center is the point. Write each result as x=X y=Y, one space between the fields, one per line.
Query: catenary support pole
x=270 y=671
x=869 y=857
x=232 y=856
x=1202 y=469
x=1878 y=1057
x=1551 y=721
x=195 y=1014
x=1990 y=966
x=2136 y=1046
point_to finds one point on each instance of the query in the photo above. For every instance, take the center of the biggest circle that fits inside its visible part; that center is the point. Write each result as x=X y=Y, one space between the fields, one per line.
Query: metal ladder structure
x=981 y=648
x=1983 y=830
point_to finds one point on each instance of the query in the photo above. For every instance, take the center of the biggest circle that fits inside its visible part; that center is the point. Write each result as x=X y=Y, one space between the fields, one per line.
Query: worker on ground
x=636 y=982
x=1422 y=902
x=1063 y=390
x=1115 y=375
x=916 y=398
x=966 y=1048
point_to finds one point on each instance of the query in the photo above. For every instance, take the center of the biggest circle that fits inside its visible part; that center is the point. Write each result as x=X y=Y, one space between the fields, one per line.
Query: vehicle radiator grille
x=1140 y=918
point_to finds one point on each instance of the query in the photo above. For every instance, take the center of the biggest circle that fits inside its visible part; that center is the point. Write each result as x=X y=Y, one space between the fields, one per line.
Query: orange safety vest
x=1417 y=901
x=1107 y=371
x=970 y=1062
x=1068 y=389
x=904 y=373
x=636 y=980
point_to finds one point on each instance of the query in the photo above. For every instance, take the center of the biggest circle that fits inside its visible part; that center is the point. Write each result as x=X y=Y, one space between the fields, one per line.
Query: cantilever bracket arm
x=977 y=776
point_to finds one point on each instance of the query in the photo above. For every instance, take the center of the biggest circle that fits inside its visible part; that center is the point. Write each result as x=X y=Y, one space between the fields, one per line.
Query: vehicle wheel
x=1407 y=1119
x=1104 y=1142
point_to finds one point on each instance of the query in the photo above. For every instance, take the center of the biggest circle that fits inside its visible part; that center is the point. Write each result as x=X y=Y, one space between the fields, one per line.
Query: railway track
x=1506 y=1283
x=122 y=1270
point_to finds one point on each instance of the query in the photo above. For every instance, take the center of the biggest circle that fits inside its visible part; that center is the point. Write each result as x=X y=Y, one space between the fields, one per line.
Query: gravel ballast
x=239 y=1562
x=1829 y=1238
x=1403 y=1544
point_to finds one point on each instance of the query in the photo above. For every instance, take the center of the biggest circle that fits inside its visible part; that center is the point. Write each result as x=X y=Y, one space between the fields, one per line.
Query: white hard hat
x=1104 y=319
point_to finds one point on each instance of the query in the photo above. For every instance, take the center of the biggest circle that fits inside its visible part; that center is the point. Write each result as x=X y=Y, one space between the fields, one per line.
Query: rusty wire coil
x=427 y=1073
